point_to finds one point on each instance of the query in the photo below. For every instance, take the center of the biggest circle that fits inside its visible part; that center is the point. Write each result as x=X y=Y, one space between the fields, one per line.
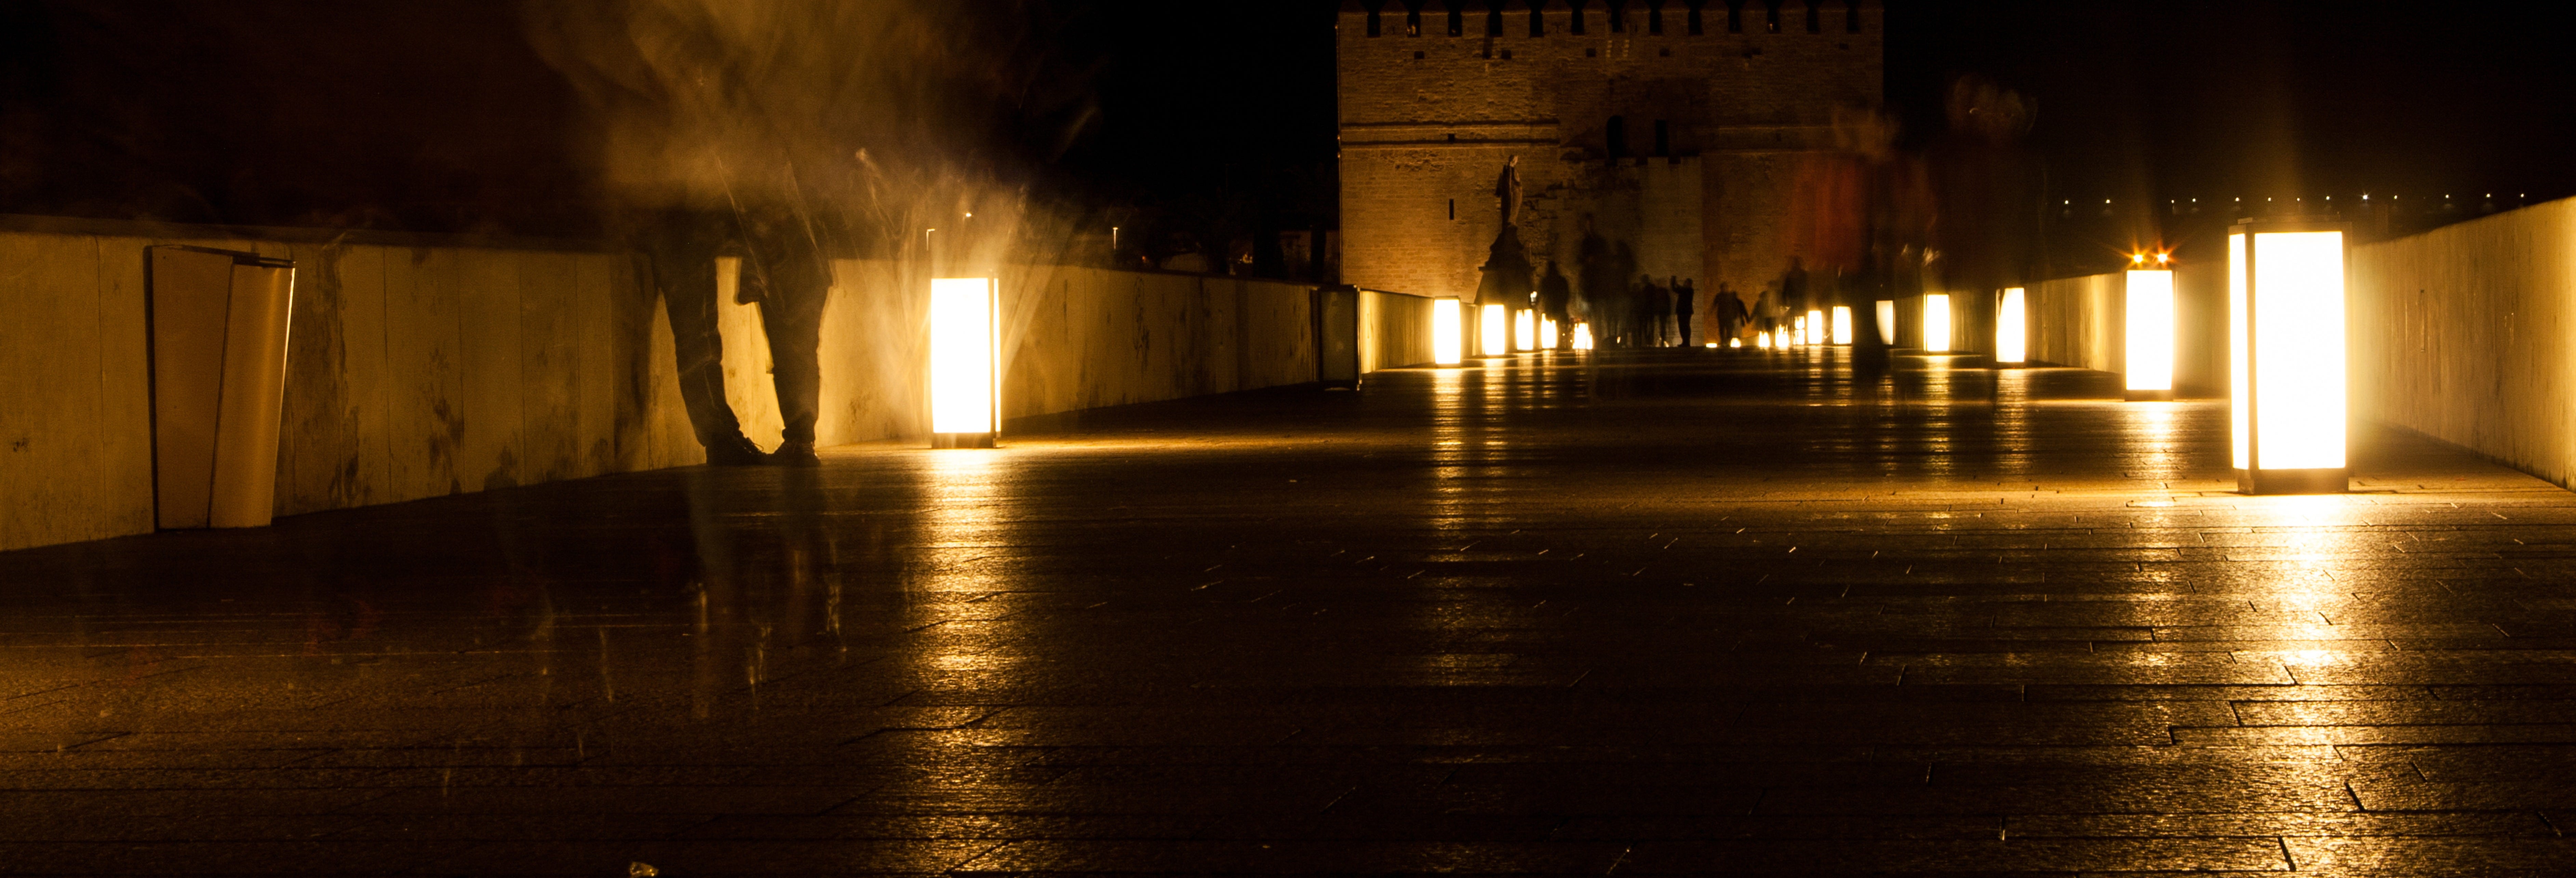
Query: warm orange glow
x=963 y=396
x=1495 y=325
x=1446 y=332
x=2012 y=333
x=1582 y=336
x=1524 y=330
x=2150 y=343
x=2292 y=414
x=1547 y=333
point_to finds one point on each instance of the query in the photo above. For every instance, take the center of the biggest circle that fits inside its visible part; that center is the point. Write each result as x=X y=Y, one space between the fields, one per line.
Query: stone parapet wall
x=432 y=369
x=2467 y=334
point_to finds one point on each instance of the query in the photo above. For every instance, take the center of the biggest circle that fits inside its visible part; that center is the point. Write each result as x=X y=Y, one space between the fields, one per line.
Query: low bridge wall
x=419 y=367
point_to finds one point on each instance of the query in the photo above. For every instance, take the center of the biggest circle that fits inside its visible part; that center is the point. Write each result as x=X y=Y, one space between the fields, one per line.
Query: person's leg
x=793 y=317
x=682 y=259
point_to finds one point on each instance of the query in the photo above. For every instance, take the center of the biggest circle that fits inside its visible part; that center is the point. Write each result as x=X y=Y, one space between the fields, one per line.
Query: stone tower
x=1676 y=127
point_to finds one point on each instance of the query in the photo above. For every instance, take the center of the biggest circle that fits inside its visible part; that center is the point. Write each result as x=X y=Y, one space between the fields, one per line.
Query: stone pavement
x=1683 y=611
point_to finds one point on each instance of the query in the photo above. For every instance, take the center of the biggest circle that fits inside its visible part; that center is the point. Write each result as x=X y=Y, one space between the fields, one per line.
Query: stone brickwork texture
x=1428 y=119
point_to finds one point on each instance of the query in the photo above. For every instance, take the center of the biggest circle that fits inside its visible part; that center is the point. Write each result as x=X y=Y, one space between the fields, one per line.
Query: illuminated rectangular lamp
x=1936 y=322
x=1842 y=324
x=1762 y=339
x=1815 y=333
x=1524 y=330
x=1447 y=335
x=1887 y=322
x=2150 y=342
x=964 y=373
x=1797 y=332
x=2012 y=328
x=1582 y=336
x=1494 y=324
x=2285 y=339
x=1547 y=333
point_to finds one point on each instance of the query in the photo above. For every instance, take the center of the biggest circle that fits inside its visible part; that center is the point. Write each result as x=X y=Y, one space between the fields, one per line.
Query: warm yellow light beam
x=1547 y=333
x=1815 y=333
x=1447 y=336
x=1495 y=325
x=2151 y=333
x=1582 y=336
x=1762 y=339
x=2012 y=330
x=1842 y=324
x=963 y=396
x=1524 y=330
x=1936 y=322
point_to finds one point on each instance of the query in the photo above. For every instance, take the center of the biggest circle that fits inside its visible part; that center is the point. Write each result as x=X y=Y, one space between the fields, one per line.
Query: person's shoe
x=799 y=454
x=737 y=451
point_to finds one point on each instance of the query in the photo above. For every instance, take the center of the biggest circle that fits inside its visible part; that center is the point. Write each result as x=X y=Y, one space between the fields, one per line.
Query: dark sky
x=430 y=116
x=2204 y=99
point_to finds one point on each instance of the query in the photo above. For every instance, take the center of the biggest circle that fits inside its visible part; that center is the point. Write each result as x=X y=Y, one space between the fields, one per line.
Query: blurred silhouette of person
x=1684 y=296
x=786 y=271
x=1767 y=310
x=1554 y=296
x=680 y=245
x=1654 y=310
x=1793 y=287
x=1731 y=315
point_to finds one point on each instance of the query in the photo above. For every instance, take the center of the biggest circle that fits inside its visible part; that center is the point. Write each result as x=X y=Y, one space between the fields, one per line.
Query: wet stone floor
x=1668 y=612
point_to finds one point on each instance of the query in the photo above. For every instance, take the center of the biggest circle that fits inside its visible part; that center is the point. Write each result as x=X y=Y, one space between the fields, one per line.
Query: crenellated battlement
x=1540 y=19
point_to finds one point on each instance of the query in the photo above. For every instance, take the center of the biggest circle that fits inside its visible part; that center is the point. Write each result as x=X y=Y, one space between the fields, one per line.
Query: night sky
x=433 y=117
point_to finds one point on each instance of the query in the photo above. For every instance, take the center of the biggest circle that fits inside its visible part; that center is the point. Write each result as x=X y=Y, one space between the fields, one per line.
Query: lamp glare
x=962 y=373
x=1446 y=333
x=1936 y=322
x=2012 y=334
x=2150 y=341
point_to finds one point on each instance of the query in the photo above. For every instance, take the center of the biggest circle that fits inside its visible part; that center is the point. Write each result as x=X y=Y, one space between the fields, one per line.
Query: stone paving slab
x=1631 y=613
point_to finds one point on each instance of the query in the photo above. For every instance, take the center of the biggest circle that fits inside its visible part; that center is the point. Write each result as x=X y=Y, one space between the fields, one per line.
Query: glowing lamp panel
x=2298 y=348
x=1762 y=340
x=962 y=398
x=1447 y=335
x=2012 y=327
x=1842 y=324
x=1815 y=332
x=1936 y=322
x=1494 y=325
x=1887 y=322
x=1547 y=333
x=1582 y=337
x=1525 y=330
x=2151 y=330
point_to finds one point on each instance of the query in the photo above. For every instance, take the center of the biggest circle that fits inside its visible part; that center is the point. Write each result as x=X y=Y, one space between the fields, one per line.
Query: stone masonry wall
x=1742 y=109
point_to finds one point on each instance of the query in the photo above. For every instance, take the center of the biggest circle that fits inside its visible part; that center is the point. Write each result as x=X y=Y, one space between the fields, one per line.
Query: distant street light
x=2012 y=342
x=2150 y=342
